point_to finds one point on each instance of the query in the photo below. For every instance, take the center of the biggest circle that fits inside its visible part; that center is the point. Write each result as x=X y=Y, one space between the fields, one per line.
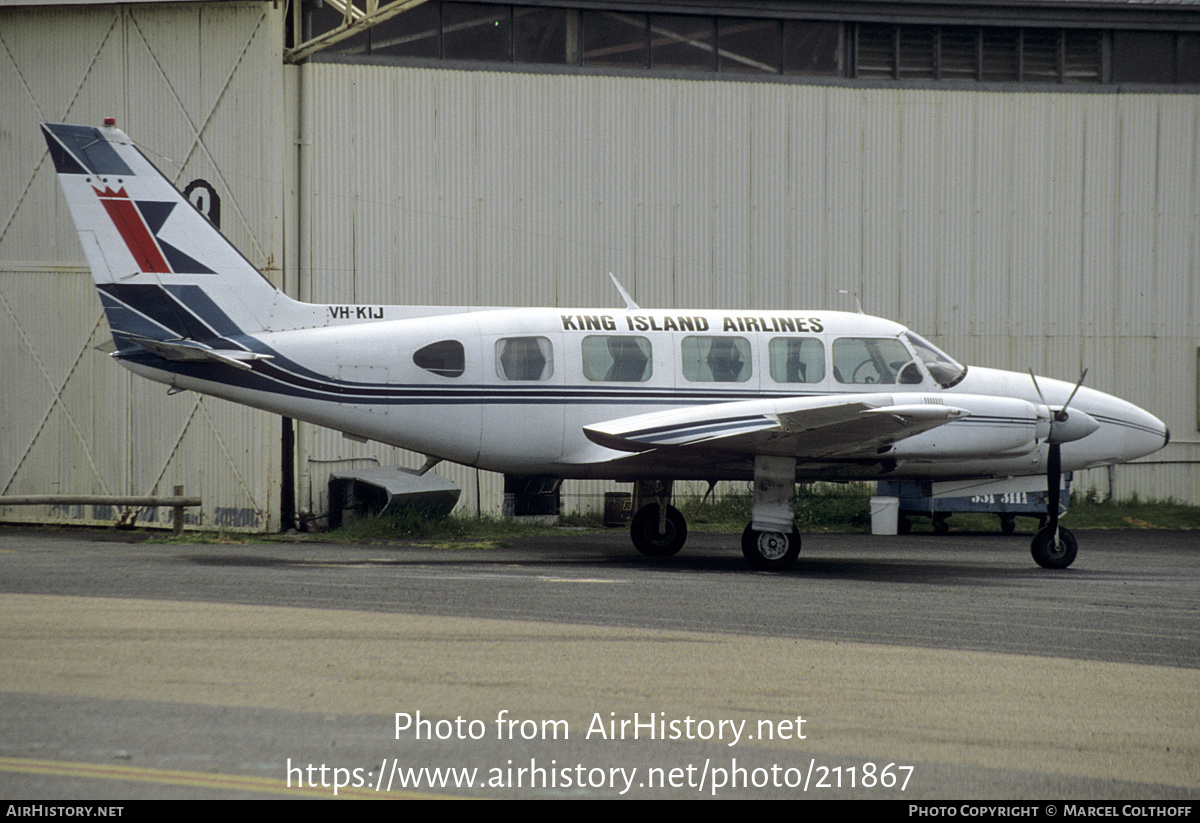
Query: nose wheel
x=1053 y=548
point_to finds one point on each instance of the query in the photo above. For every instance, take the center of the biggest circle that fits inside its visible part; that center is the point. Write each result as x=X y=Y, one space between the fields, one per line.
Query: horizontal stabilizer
x=191 y=351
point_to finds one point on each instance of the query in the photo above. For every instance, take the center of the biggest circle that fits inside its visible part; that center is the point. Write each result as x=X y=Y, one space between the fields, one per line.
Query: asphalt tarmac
x=920 y=667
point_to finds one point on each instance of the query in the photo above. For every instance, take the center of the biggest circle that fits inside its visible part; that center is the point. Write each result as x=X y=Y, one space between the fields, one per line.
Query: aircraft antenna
x=857 y=302
x=629 y=304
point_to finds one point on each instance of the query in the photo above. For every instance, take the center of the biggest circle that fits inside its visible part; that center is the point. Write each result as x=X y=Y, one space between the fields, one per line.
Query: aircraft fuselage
x=511 y=390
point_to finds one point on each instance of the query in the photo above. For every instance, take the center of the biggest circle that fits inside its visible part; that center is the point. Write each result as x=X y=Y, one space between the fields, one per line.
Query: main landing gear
x=770 y=543
x=658 y=530
x=770 y=551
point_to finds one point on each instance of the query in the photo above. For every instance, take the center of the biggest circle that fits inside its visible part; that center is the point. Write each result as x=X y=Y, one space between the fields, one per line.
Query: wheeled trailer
x=1007 y=498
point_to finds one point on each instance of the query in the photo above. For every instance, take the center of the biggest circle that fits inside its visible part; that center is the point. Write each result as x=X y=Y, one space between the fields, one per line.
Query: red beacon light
x=110 y=121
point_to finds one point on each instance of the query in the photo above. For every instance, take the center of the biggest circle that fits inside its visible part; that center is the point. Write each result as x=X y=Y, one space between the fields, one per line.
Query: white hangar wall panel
x=1046 y=230
x=198 y=87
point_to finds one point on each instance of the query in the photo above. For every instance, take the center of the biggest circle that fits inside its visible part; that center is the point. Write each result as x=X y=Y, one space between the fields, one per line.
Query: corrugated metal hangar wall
x=1027 y=229
x=1051 y=231
x=200 y=88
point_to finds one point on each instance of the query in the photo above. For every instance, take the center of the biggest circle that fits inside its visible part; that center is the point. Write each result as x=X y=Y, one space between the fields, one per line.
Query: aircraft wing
x=804 y=427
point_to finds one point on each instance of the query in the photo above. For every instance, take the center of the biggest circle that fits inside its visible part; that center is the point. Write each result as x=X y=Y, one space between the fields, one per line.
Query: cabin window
x=871 y=360
x=716 y=359
x=617 y=359
x=797 y=359
x=446 y=357
x=524 y=358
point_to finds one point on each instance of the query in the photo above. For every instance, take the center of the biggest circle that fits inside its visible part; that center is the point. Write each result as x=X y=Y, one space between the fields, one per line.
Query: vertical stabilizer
x=164 y=272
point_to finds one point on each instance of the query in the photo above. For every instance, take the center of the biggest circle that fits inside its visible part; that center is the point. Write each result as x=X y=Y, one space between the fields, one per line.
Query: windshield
x=940 y=365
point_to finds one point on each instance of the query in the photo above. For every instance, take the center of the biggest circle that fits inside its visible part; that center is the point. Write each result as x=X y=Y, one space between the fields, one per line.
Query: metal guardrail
x=177 y=501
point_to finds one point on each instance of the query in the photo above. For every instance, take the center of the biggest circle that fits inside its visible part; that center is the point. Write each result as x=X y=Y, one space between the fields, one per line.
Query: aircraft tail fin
x=164 y=272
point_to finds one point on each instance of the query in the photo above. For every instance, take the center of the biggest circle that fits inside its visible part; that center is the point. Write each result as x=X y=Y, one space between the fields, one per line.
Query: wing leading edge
x=813 y=427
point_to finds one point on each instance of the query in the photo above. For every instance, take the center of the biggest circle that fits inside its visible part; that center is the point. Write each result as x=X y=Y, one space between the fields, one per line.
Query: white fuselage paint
x=480 y=419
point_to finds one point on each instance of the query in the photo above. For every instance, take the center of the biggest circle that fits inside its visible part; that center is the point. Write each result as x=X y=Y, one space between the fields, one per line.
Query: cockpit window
x=940 y=365
x=872 y=360
x=445 y=357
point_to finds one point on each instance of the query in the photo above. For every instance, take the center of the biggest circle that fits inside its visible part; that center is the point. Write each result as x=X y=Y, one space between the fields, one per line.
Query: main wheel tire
x=646 y=537
x=770 y=551
x=1051 y=551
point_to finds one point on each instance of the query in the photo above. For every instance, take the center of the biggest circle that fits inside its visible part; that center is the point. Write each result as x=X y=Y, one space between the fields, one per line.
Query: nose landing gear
x=1053 y=547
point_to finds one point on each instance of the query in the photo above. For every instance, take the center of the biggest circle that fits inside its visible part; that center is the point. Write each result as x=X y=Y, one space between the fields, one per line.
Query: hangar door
x=198 y=87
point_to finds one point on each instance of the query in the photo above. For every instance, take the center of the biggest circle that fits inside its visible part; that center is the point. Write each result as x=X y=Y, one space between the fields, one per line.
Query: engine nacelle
x=995 y=427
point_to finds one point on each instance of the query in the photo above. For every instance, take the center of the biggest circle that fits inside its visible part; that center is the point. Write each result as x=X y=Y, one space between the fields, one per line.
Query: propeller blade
x=1037 y=388
x=1063 y=427
x=1074 y=392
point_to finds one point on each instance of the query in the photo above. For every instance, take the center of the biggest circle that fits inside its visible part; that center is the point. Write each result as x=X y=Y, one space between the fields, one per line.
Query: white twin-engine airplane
x=631 y=395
